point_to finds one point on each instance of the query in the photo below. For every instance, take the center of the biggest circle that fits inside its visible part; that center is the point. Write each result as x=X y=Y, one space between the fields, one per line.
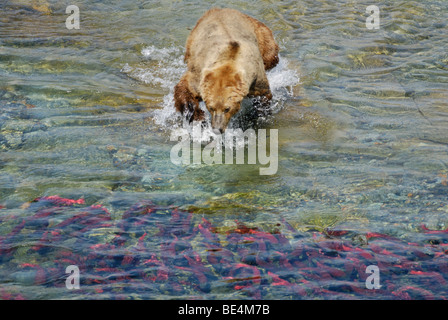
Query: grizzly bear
x=227 y=56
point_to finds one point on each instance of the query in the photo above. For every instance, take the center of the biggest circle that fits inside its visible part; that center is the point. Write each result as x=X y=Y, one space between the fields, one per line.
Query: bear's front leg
x=262 y=102
x=186 y=102
x=261 y=95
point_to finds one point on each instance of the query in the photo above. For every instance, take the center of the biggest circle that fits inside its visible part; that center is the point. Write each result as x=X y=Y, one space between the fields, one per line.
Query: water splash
x=167 y=67
x=164 y=67
x=282 y=79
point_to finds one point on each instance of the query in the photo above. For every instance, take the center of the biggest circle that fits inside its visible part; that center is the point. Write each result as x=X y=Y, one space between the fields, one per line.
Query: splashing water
x=167 y=68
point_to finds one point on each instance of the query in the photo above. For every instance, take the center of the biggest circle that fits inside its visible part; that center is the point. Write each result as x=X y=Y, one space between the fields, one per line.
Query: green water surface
x=363 y=136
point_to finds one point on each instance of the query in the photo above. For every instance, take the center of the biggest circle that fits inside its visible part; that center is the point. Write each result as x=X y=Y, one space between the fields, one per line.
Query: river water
x=86 y=115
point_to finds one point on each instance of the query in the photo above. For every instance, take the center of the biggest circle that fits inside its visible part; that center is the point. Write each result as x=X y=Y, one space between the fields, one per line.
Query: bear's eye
x=226 y=110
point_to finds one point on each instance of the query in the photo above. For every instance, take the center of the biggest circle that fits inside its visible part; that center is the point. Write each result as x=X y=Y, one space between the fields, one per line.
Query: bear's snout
x=219 y=122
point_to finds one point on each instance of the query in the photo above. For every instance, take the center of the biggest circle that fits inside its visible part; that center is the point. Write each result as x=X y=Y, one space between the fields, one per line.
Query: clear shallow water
x=361 y=114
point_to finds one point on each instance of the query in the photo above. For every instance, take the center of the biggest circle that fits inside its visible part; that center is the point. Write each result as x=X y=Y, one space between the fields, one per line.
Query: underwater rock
x=41 y=6
x=41 y=139
x=23 y=126
x=143 y=152
x=13 y=110
x=7 y=185
x=364 y=60
x=25 y=278
x=11 y=140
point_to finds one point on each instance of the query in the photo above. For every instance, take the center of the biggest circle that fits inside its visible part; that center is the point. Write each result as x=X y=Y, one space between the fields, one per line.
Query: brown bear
x=227 y=56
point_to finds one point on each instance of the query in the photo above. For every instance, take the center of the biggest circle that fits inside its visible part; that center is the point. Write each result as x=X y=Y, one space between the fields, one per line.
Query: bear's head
x=223 y=90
